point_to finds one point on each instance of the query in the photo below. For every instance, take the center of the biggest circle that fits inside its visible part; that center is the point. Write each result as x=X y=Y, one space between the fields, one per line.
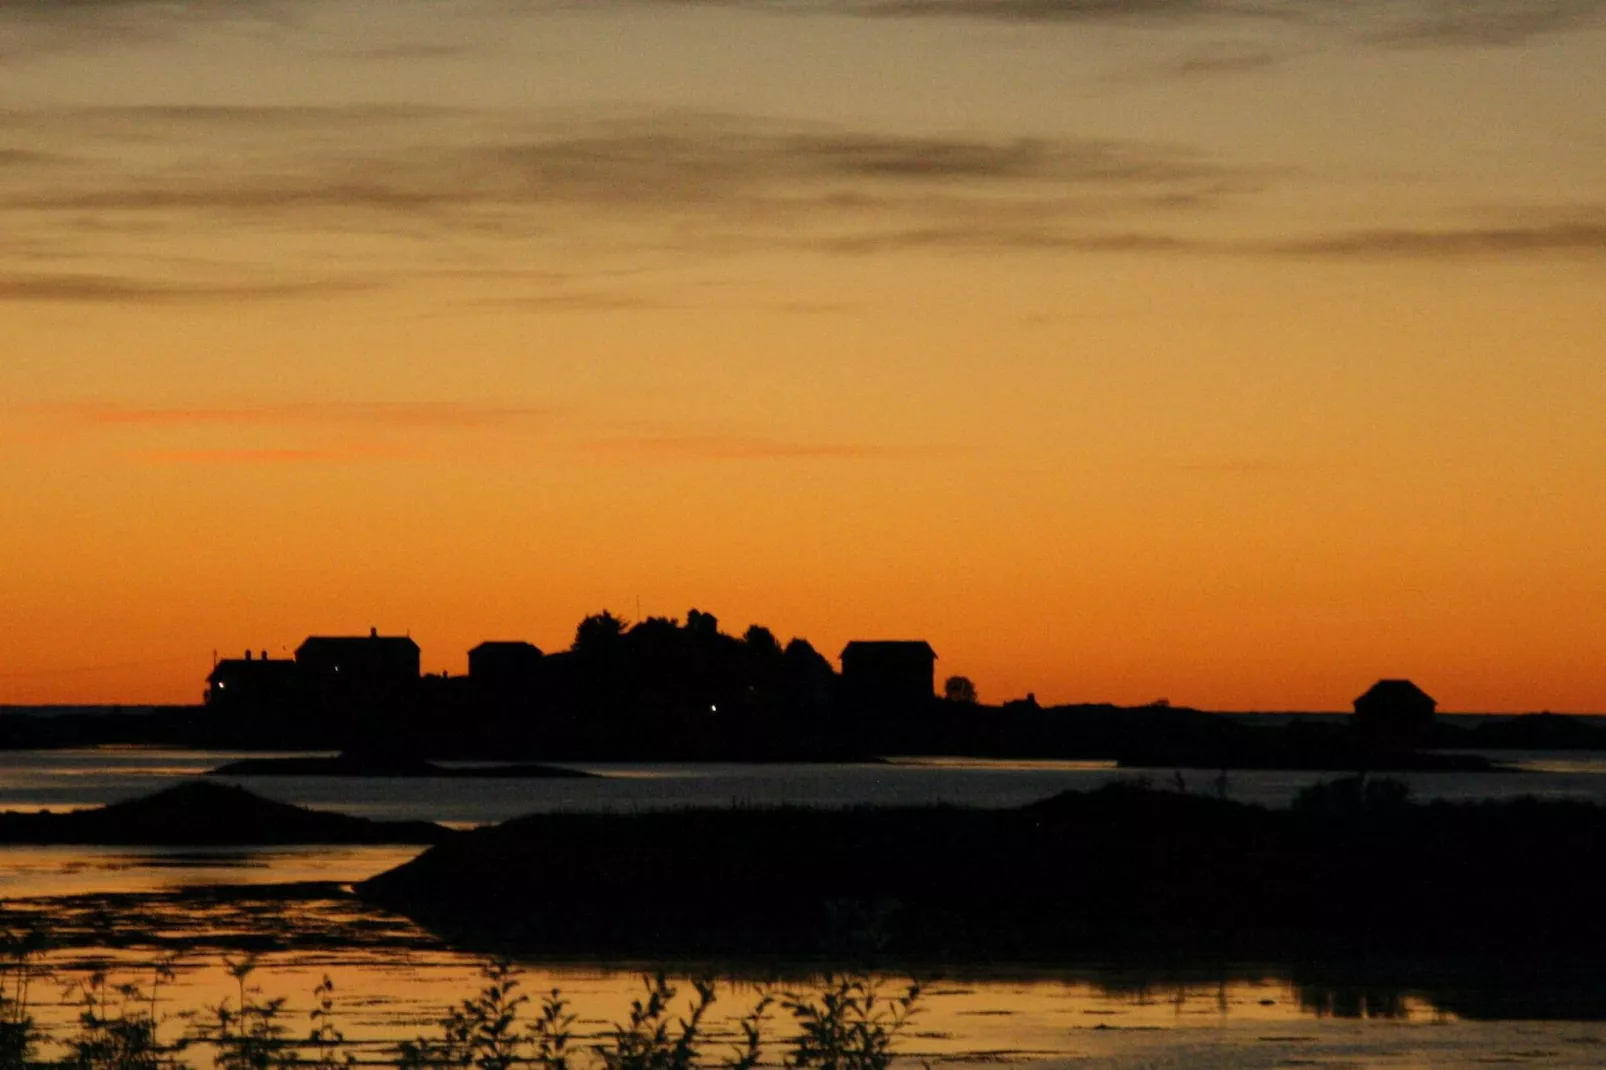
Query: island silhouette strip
x=200 y=813
x=661 y=689
x=1353 y=869
x=1353 y=872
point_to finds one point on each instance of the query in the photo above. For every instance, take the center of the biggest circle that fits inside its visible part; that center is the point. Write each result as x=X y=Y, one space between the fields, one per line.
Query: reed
x=842 y=1023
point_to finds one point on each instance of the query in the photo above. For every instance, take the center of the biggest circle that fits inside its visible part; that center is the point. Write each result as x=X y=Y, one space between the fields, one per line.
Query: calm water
x=72 y=779
x=394 y=980
x=1043 y=1020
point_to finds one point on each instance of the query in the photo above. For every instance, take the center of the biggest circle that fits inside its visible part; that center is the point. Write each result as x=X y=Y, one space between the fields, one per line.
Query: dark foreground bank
x=200 y=813
x=1123 y=870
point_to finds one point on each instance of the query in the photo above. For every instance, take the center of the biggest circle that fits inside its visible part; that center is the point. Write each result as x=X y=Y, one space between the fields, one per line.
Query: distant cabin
x=1395 y=713
x=889 y=674
x=501 y=665
x=362 y=670
x=253 y=684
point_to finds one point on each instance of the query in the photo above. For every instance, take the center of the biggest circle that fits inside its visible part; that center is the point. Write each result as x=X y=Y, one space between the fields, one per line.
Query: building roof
x=1395 y=691
x=507 y=645
x=234 y=668
x=373 y=638
x=889 y=646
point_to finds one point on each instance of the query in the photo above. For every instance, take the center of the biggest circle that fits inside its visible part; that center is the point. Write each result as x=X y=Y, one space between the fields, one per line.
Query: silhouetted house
x=253 y=684
x=889 y=674
x=503 y=667
x=1022 y=705
x=360 y=672
x=1394 y=713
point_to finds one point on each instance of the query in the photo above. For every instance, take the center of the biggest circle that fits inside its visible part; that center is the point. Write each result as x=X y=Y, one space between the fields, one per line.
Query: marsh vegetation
x=839 y=1022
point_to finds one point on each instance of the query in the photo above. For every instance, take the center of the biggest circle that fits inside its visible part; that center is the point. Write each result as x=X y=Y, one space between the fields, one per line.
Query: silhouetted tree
x=702 y=625
x=761 y=642
x=959 y=689
x=656 y=632
x=804 y=659
x=598 y=632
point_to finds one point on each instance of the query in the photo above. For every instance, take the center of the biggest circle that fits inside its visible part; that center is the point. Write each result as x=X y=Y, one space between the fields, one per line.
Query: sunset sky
x=1237 y=353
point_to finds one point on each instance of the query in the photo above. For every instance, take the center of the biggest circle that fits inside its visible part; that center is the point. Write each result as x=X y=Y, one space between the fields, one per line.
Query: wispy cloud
x=472 y=200
x=35 y=27
x=576 y=301
x=364 y=432
x=401 y=415
x=1002 y=237
x=703 y=182
x=1245 y=468
x=703 y=446
x=1577 y=237
x=1225 y=62
x=1399 y=22
x=23 y=158
x=276 y=455
x=1488 y=22
x=1444 y=22
x=115 y=289
x=407 y=51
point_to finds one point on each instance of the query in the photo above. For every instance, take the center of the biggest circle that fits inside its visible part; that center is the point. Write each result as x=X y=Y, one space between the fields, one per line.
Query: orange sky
x=1233 y=359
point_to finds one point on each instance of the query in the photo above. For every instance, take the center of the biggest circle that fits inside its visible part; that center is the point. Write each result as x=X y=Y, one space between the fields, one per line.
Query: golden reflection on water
x=392 y=991
x=28 y=872
x=383 y=996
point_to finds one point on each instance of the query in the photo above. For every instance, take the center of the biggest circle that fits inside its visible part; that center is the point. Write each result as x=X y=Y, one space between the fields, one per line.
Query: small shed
x=504 y=663
x=1395 y=712
x=889 y=673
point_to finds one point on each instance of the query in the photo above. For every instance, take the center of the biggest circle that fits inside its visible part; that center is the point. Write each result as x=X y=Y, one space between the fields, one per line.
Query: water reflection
x=94 y=776
x=313 y=923
x=29 y=872
x=1051 y=1018
x=1349 y=1001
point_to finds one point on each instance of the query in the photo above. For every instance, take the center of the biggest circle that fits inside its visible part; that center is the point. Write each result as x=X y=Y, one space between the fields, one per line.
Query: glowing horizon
x=1121 y=351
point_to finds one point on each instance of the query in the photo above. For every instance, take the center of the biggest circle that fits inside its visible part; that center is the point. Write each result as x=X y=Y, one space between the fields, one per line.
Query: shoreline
x=309 y=917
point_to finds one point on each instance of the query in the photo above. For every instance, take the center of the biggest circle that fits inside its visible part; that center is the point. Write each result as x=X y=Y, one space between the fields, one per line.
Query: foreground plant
x=325 y=1038
x=646 y=1041
x=480 y=1032
x=844 y=1025
x=17 y=974
x=250 y=1035
x=118 y=1024
x=847 y=1025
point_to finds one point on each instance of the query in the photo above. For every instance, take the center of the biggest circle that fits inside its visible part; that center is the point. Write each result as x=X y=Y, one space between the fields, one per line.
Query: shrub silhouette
x=846 y=1025
x=118 y=1024
x=18 y=1034
x=250 y=1035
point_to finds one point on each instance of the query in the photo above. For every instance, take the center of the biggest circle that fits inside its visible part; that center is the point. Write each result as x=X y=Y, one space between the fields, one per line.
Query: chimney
x=373 y=633
x=247 y=655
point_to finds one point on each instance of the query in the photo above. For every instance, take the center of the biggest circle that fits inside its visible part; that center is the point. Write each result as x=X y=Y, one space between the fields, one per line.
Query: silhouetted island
x=1354 y=868
x=201 y=813
x=360 y=765
x=665 y=690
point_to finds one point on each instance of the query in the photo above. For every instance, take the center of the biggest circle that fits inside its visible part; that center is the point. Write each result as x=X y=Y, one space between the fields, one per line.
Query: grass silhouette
x=844 y=1023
